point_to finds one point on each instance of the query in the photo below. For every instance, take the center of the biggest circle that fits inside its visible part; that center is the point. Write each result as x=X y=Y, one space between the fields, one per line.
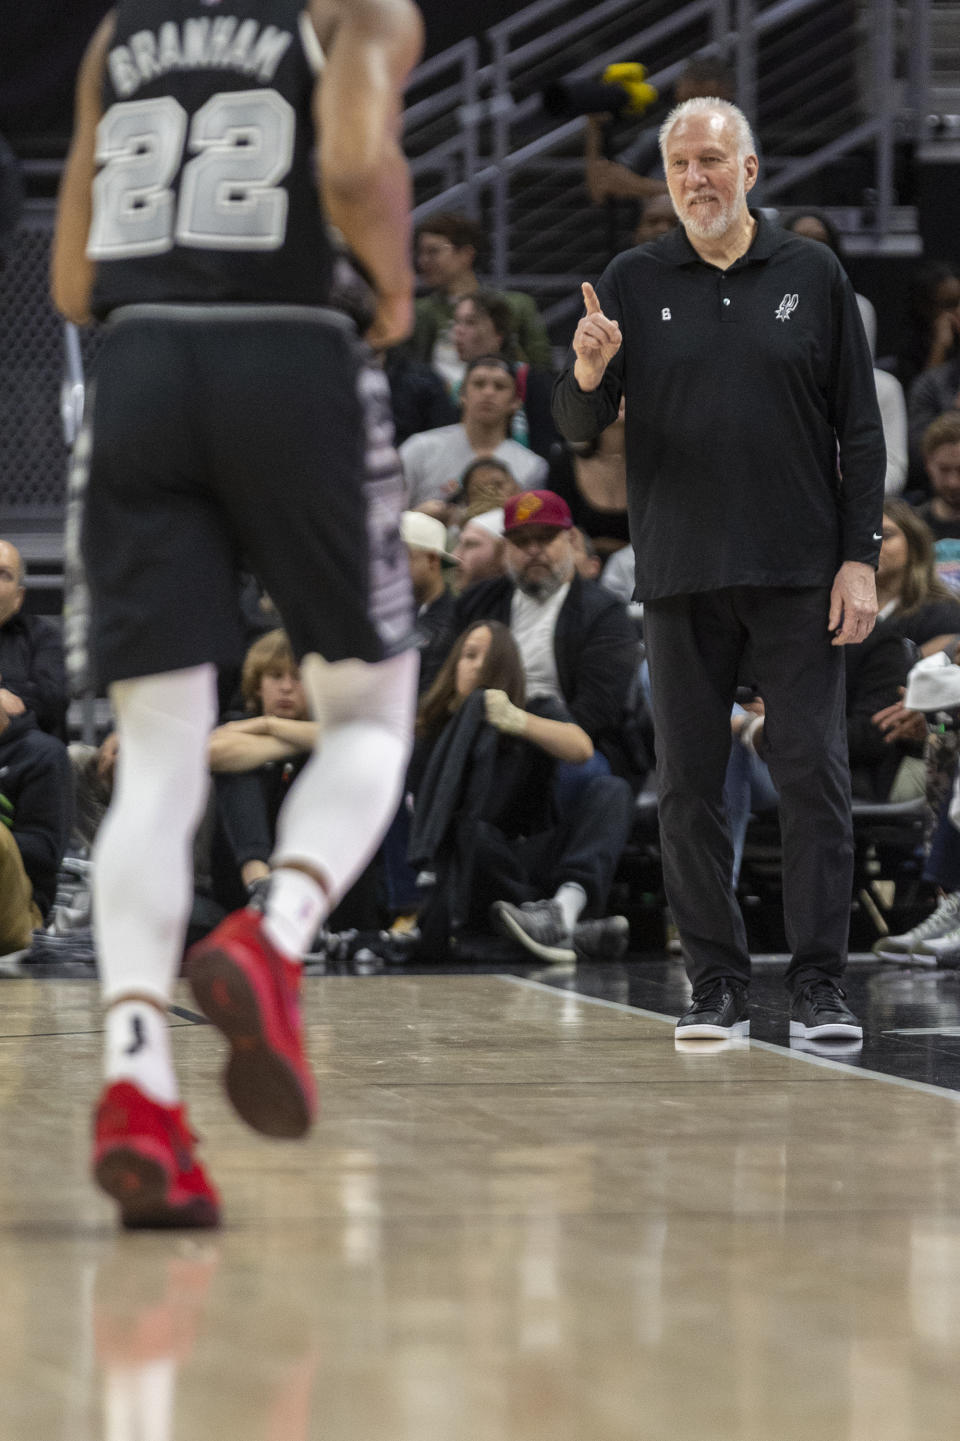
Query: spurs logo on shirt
x=786 y=307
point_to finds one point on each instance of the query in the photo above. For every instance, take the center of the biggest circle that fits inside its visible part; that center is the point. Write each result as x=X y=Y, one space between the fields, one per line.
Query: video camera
x=622 y=91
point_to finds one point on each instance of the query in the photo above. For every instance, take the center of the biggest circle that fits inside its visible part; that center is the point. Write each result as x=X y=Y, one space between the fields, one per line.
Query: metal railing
x=500 y=140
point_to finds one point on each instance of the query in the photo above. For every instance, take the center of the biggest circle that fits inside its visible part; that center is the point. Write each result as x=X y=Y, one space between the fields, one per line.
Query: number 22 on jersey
x=230 y=192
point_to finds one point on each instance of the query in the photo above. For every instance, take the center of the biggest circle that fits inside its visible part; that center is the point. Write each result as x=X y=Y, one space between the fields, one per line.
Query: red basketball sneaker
x=252 y=994
x=143 y=1158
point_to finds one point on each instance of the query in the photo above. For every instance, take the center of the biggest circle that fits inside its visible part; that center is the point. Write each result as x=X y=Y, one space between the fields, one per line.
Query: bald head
x=11 y=581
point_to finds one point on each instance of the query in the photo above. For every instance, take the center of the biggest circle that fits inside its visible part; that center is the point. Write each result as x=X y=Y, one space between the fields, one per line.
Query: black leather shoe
x=717 y=1011
x=819 y=1011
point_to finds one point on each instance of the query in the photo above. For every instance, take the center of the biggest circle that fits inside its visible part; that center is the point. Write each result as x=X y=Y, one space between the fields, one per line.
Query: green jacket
x=433 y=312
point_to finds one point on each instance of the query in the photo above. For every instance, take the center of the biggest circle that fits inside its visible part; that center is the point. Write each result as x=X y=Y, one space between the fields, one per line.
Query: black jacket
x=35 y=777
x=740 y=385
x=31 y=666
x=598 y=660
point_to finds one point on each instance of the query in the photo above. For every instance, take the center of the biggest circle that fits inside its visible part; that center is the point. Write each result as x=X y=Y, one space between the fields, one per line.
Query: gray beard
x=540 y=589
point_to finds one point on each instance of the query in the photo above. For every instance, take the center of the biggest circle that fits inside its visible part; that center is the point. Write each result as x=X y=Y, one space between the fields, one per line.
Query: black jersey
x=206 y=188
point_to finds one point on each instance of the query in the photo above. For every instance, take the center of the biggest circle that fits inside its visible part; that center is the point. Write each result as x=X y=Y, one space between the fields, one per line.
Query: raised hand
x=595 y=342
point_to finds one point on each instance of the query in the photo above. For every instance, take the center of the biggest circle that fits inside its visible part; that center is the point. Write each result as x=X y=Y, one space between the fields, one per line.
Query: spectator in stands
x=882 y=767
x=434 y=460
x=657 y=216
x=446 y=250
x=637 y=173
x=255 y=759
x=940 y=448
x=94 y=769
x=934 y=392
x=32 y=674
x=914 y=602
x=817 y=225
x=485 y=816
x=585 y=558
x=577 y=643
x=592 y=478
x=430 y=562
x=932 y=323
x=483 y=325
x=486 y=484
x=747 y=550
x=34 y=825
x=418 y=397
x=480 y=549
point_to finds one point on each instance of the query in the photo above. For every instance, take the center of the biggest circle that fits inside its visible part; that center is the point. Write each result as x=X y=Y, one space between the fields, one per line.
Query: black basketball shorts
x=222 y=437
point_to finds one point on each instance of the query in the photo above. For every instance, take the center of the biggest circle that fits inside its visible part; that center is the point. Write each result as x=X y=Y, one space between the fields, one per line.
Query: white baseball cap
x=425 y=532
x=491 y=520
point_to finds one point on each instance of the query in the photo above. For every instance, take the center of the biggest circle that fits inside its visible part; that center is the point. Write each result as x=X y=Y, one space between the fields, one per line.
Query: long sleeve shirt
x=754 y=445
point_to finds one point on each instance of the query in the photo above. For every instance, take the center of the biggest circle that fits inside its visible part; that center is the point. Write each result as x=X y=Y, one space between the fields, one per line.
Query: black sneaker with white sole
x=718 y=1010
x=819 y=1011
x=538 y=926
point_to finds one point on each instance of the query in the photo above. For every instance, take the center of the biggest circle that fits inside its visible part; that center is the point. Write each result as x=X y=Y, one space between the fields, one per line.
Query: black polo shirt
x=740 y=387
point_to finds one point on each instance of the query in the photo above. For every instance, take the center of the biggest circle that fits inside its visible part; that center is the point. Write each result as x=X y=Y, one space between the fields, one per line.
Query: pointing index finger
x=590 y=299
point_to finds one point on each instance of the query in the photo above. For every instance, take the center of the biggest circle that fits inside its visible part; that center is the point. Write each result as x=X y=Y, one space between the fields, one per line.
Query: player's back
x=206 y=187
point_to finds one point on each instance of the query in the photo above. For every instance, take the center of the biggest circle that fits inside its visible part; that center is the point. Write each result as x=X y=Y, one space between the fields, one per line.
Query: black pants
x=585 y=847
x=700 y=648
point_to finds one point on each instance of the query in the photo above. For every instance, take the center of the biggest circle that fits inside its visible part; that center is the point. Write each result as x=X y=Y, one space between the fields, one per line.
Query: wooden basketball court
x=523 y=1216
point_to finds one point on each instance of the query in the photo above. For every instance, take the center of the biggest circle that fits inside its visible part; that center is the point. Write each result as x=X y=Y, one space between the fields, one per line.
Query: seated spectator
x=817 y=225
x=585 y=556
x=434 y=460
x=592 y=478
x=446 y=249
x=34 y=826
x=426 y=542
x=419 y=399
x=882 y=768
x=893 y=409
x=932 y=687
x=931 y=325
x=485 y=816
x=913 y=599
x=940 y=448
x=483 y=325
x=481 y=549
x=933 y=393
x=32 y=676
x=484 y=485
x=619 y=574
x=576 y=640
x=93 y=769
x=254 y=759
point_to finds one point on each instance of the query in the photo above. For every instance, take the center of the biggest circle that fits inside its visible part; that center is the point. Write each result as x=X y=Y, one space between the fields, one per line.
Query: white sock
x=296 y=905
x=137 y=1049
x=571 y=898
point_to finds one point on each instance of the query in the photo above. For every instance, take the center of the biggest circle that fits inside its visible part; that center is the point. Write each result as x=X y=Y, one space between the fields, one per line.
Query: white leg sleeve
x=345 y=797
x=143 y=862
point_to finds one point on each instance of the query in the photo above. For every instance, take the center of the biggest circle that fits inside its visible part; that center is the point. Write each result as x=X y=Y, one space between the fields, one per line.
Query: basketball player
x=234 y=415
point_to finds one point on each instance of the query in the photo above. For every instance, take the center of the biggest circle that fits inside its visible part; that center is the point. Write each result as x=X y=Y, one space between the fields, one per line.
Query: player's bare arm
x=71 y=273
x=363 y=172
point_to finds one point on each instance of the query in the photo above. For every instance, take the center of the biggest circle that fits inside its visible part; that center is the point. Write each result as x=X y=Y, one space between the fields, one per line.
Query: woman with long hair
x=913 y=599
x=488 y=806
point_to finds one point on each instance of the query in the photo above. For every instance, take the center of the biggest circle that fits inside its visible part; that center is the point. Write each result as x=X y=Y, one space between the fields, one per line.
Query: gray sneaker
x=538 y=926
x=604 y=939
x=939 y=950
x=900 y=949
